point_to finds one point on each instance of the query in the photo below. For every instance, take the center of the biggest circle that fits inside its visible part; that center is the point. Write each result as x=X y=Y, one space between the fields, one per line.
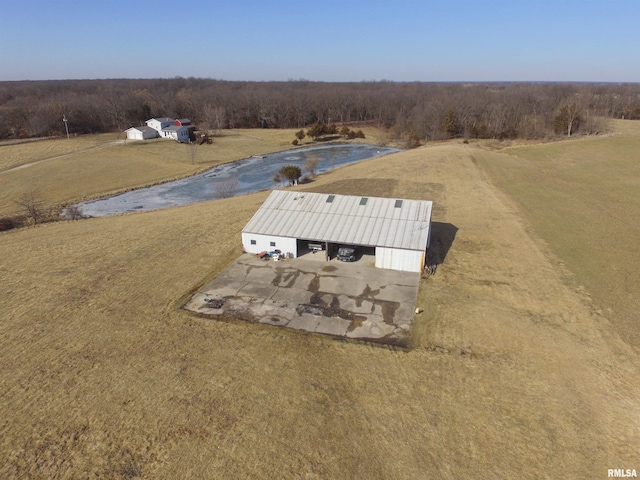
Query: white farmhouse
x=163 y=127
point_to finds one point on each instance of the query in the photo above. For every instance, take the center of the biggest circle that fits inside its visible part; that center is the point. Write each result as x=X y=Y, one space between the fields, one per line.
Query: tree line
x=412 y=112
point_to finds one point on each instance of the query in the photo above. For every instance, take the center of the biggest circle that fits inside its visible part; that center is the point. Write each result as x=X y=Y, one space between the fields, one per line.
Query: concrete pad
x=292 y=278
x=198 y=303
x=351 y=300
x=364 y=307
x=404 y=316
x=292 y=296
x=308 y=323
x=257 y=290
x=275 y=320
x=229 y=288
x=333 y=326
x=371 y=329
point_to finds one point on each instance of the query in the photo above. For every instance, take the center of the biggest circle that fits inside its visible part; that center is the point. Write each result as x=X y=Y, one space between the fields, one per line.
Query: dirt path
x=31 y=164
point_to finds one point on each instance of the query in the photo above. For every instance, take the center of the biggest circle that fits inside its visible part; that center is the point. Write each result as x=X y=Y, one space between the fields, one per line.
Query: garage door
x=397 y=259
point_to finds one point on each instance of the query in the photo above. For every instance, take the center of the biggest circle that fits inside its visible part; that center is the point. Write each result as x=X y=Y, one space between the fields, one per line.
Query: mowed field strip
x=582 y=198
x=514 y=372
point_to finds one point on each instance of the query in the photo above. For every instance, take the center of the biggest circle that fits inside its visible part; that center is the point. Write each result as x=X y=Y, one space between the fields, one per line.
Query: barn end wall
x=263 y=243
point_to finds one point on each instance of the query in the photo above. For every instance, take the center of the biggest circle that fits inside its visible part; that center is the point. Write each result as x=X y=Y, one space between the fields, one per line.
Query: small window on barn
x=330 y=198
x=398 y=204
x=363 y=201
x=253 y=242
x=273 y=244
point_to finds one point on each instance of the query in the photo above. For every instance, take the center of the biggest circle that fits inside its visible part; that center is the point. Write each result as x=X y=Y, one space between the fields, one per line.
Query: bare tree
x=311 y=164
x=277 y=179
x=193 y=152
x=226 y=188
x=32 y=206
x=568 y=118
x=73 y=212
x=220 y=115
x=213 y=117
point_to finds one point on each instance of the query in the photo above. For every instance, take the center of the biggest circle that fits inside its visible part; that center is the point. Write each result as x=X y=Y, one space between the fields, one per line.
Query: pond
x=231 y=179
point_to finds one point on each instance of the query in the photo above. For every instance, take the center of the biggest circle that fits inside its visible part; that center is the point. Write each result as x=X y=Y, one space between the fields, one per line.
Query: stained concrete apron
x=353 y=300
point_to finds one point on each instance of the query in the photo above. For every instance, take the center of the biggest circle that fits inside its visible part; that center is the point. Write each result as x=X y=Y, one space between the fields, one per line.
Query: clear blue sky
x=326 y=40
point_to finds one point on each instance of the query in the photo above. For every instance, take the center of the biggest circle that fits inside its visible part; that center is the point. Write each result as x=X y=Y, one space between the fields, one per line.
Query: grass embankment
x=582 y=197
x=511 y=374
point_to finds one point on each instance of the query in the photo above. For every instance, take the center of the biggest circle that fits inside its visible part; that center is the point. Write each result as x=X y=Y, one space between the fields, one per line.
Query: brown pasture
x=514 y=371
x=582 y=199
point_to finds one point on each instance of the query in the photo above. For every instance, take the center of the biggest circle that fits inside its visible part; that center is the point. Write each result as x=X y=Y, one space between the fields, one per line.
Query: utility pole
x=66 y=127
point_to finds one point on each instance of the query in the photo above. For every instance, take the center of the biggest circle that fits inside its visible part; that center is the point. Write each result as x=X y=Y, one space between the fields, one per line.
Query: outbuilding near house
x=141 y=133
x=397 y=231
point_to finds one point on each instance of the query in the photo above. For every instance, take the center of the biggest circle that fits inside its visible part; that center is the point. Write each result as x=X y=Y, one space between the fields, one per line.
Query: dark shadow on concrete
x=442 y=237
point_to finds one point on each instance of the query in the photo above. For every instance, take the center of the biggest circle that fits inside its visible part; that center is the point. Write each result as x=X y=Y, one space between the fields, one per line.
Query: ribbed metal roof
x=346 y=219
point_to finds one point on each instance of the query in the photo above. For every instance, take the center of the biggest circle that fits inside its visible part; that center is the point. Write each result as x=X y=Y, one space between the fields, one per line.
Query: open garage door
x=352 y=253
x=317 y=248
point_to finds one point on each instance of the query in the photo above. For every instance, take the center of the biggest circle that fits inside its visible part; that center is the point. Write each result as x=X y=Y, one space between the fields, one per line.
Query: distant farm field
x=514 y=372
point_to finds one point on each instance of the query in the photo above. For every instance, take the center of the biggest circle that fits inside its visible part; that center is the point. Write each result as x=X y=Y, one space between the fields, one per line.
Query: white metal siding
x=263 y=243
x=398 y=259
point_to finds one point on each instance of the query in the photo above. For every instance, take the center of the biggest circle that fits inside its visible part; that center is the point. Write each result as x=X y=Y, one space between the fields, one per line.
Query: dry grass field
x=514 y=371
x=14 y=154
x=582 y=198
